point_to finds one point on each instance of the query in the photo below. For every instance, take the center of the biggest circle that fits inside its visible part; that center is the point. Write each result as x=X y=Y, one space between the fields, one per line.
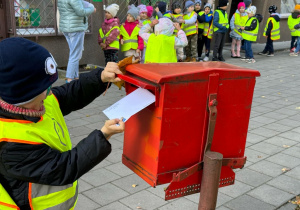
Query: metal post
x=210 y=180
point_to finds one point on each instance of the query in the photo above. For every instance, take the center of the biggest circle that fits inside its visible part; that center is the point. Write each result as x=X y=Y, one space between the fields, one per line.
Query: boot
x=193 y=60
x=188 y=59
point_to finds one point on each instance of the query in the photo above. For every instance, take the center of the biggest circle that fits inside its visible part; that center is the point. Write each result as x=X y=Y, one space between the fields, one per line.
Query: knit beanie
x=26 y=70
x=150 y=11
x=134 y=11
x=112 y=9
x=207 y=5
x=162 y=6
x=272 y=9
x=247 y=2
x=198 y=2
x=297 y=7
x=251 y=10
x=189 y=4
x=241 y=4
x=175 y=5
x=223 y=3
x=143 y=8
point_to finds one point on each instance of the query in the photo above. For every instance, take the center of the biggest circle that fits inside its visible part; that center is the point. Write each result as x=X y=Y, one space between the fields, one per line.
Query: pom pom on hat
x=241 y=4
x=297 y=7
x=143 y=8
x=112 y=9
x=150 y=11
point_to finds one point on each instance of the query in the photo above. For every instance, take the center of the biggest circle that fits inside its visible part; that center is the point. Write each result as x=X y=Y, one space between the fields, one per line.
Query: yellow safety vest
x=130 y=42
x=207 y=28
x=161 y=49
x=239 y=21
x=145 y=22
x=189 y=29
x=116 y=42
x=211 y=31
x=176 y=16
x=52 y=131
x=200 y=25
x=168 y=15
x=275 y=32
x=291 y=23
x=223 y=20
x=251 y=35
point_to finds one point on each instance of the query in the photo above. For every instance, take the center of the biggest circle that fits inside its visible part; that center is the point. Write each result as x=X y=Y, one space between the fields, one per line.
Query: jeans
x=298 y=45
x=269 y=46
x=248 y=49
x=75 y=41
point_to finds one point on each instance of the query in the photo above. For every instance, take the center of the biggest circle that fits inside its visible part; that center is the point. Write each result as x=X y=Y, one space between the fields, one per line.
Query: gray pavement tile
x=99 y=177
x=287 y=184
x=76 y=139
x=114 y=206
x=115 y=144
x=268 y=168
x=296 y=130
x=285 y=160
x=277 y=127
x=79 y=131
x=106 y=194
x=291 y=135
x=126 y=183
x=236 y=190
x=76 y=123
x=94 y=118
x=261 y=109
x=288 y=122
x=96 y=125
x=251 y=177
x=144 y=200
x=254 y=114
x=73 y=116
x=287 y=112
x=160 y=190
x=266 y=148
x=255 y=156
x=280 y=141
x=248 y=144
x=84 y=186
x=253 y=138
x=295 y=173
x=273 y=105
x=222 y=198
x=119 y=169
x=293 y=151
x=270 y=195
x=275 y=115
x=102 y=164
x=90 y=112
x=254 y=124
x=262 y=119
x=265 y=132
x=179 y=204
x=295 y=117
x=85 y=203
x=288 y=206
x=115 y=156
x=249 y=203
x=223 y=208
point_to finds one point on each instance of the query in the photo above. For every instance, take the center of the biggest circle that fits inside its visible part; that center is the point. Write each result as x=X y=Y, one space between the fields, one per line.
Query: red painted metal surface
x=165 y=142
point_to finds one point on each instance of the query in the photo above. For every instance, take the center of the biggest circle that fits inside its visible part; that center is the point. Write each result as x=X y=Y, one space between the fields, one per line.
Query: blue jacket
x=73 y=15
x=222 y=29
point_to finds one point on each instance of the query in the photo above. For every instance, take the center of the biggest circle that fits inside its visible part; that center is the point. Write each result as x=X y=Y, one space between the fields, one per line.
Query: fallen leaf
x=134 y=185
x=87 y=115
x=139 y=207
x=259 y=156
x=298 y=107
x=281 y=80
x=286 y=100
x=278 y=93
x=285 y=169
x=263 y=96
x=293 y=75
x=286 y=146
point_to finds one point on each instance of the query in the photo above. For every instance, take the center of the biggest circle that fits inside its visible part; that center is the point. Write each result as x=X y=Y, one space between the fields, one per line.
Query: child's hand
x=154 y=22
x=177 y=26
x=110 y=127
x=138 y=51
x=243 y=28
x=122 y=41
x=103 y=46
x=181 y=21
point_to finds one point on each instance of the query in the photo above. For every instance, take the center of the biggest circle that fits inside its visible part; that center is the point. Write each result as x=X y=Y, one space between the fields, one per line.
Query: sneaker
x=215 y=59
x=244 y=59
x=270 y=55
x=205 y=59
x=293 y=54
x=293 y=49
x=188 y=59
x=262 y=53
x=251 y=60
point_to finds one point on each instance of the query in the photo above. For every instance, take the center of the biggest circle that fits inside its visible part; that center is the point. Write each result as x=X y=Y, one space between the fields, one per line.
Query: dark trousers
x=269 y=46
x=294 y=42
x=203 y=40
x=219 y=44
x=111 y=56
x=248 y=49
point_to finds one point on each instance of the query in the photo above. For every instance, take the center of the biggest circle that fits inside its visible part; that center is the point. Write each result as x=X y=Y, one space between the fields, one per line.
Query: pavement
x=270 y=178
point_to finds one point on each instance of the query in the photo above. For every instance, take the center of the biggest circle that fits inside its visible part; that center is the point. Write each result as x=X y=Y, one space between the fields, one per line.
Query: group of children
x=155 y=35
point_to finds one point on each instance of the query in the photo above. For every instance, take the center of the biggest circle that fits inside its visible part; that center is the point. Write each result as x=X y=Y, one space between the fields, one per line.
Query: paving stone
x=160 y=191
x=84 y=186
x=253 y=138
x=255 y=156
x=280 y=141
x=265 y=132
x=277 y=127
x=266 y=148
x=106 y=194
x=77 y=123
x=223 y=208
x=264 y=120
x=99 y=177
x=295 y=173
x=94 y=118
x=102 y=164
x=293 y=151
x=115 y=156
x=143 y=199
x=285 y=160
x=249 y=203
x=114 y=206
x=291 y=135
x=286 y=183
x=296 y=129
x=85 y=203
x=270 y=195
x=119 y=169
x=268 y=168
x=288 y=122
x=254 y=125
x=235 y=190
x=126 y=183
x=79 y=131
x=251 y=177
x=73 y=116
x=179 y=204
x=76 y=139
x=115 y=144
x=222 y=198
x=288 y=206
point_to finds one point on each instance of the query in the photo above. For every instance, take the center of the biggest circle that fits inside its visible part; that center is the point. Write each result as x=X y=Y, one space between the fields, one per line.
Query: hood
x=276 y=16
x=115 y=20
x=243 y=14
x=165 y=27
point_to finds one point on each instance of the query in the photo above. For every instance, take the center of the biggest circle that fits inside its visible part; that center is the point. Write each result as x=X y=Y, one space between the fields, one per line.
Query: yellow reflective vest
x=239 y=21
x=177 y=16
x=200 y=25
x=251 y=35
x=208 y=29
x=223 y=20
x=275 y=32
x=52 y=131
x=116 y=42
x=161 y=49
x=130 y=42
x=189 y=29
x=291 y=23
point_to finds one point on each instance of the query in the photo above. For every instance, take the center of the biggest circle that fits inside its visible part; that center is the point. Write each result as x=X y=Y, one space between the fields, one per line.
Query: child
x=249 y=34
x=160 y=9
x=190 y=29
x=205 y=38
x=109 y=34
x=272 y=31
x=237 y=21
x=221 y=26
x=248 y=3
x=132 y=43
x=293 y=20
x=177 y=17
x=162 y=44
x=200 y=25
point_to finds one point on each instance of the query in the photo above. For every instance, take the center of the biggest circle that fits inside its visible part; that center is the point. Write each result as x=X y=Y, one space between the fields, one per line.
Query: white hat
x=251 y=10
x=112 y=9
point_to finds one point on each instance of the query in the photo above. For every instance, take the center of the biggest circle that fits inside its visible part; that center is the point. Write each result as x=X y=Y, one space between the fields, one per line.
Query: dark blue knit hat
x=26 y=70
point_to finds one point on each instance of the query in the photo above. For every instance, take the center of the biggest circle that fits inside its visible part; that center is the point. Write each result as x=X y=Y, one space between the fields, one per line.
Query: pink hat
x=142 y=8
x=150 y=11
x=241 y=4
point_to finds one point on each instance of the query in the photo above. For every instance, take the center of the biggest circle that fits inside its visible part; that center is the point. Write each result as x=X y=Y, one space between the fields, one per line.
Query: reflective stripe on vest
x=239 y=21
x=116 y=42
x=161 y=49
x=223 y=20
x=52 y=131
x=291 y=23
x=251 y=35
x=130 y=42
x=207 y=27
x=189 y=29
x=210 y=31
x=201 y=25
x=275 y=32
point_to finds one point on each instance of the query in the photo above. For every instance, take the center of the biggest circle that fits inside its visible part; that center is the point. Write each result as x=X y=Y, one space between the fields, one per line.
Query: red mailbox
x=165 y=142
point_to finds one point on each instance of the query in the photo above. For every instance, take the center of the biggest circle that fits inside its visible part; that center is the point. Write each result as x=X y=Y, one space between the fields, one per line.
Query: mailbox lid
x=179 y=72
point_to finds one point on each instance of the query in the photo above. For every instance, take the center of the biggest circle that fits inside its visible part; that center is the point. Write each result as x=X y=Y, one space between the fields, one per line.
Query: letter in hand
x=112 y=127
